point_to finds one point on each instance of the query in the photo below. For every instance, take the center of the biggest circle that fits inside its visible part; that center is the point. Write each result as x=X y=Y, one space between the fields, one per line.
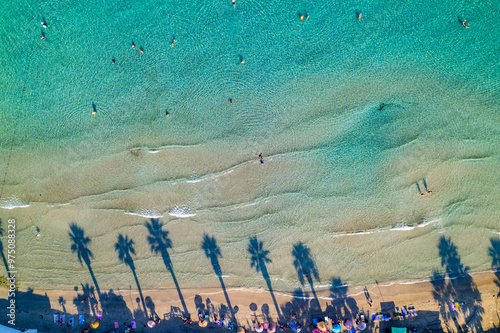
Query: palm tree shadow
x=80 y=244
x=259 y=260
x=305 y=266
x=342 y=305
x=450 y=287
x=125 y=247
x=212 y=251
x=160 y=243
x=494 y=253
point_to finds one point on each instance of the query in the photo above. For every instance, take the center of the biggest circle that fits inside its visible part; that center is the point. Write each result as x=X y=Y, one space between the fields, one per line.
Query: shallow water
x=349 y=116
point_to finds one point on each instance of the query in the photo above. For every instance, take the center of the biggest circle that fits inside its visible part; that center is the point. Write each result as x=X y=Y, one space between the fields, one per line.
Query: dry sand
x=480 y=312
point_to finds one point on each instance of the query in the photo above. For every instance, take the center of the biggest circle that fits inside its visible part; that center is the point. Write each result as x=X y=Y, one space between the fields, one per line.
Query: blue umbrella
x=336 y=328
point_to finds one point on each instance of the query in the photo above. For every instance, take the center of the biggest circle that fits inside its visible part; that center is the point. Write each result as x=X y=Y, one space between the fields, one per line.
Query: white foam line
x=146 y=215
x=12 y=207
x=402 y=228
x=193 y=181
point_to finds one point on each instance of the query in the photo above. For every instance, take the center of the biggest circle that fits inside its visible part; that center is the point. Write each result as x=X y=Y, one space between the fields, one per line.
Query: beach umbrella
x=361 y=326
x=95 y=324
x=271 y=328
x=151 y=324
x=316 y=330
x=348 y=324
x=258 y=328
x=203 y=323
x=336 y=328
x=242 y=330
x=322 y=326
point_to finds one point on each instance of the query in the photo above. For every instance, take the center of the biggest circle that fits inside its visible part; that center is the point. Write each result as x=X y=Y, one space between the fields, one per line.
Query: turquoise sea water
x=349 y=116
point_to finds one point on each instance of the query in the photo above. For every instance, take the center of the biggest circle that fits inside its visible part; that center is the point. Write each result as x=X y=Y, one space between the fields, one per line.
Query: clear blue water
x=348 y=114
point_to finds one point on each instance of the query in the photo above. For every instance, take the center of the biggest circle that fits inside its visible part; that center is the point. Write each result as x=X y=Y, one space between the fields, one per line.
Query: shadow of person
x=151 y=306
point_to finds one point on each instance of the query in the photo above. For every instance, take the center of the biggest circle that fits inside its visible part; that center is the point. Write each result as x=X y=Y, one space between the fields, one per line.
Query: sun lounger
x=452 y=307
x=71 y=321
x=457 y=306
x=99 y=315
x=56 y=319
x=116 y=324
x=81 y=320
x=207 y=318
x=315 y=321
x=374 y=317
x=133 y=324
x=63 y=319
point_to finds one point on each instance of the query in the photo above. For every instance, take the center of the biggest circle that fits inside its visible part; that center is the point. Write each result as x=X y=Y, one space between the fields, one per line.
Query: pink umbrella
x=348 y=324
x=317 y=330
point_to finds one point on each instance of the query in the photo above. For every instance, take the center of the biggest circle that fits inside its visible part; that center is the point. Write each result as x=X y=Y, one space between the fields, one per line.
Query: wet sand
x=479 y=312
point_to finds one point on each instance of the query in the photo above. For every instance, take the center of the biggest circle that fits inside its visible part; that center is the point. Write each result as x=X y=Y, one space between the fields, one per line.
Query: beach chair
x=71 y=321
x=315 y=321
x=134 y=325
x=116 y=324
x=81 y=319
x=63 y=319
x=457 y=306
x=452 y=307
x=374 y=317
x=207 y=318
x=99 y=315
x=56 y=319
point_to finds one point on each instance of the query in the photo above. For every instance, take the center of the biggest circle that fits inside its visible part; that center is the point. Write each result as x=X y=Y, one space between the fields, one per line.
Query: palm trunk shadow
x=168 y=265
x=140 y=292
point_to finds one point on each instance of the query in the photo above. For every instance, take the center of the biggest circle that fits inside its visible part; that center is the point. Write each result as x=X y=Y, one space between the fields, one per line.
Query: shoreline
x=478 y=291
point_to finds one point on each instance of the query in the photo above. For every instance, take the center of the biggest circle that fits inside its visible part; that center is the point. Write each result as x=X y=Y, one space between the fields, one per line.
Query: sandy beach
x=476 y=294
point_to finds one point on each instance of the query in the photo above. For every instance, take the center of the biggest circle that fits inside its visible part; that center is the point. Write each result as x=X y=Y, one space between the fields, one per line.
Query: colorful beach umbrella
x=95 y=324
x=151 y=324
x=361 y=325
x=271 y=328
x=348 y=324
x=336 y=328
x=258 y=328
x=242 y=330
x=203 y=323
x=316 y=330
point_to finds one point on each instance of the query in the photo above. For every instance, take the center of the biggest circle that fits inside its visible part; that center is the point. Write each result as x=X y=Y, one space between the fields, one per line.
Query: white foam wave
x=427 y=222
x=147 y=213
x=193 y=181
x=399 y=227
x=153 y=151
x=13 y=202
x=181 y=211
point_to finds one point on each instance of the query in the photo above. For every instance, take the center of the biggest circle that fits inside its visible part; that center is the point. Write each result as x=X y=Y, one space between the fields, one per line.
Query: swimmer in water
x=466 y=26
x=167 y=114
x=234 y=3
x=307 y=16
x=113 y=61
x=301 y=17
x=44 y=25
x=359 y=17
x=142 y=50
x=42 y=37
x=173 y=42
x=133 y=45
x=230 y=101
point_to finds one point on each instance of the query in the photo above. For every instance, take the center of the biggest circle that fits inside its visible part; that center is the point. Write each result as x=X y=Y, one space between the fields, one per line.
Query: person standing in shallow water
x=261 y=158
